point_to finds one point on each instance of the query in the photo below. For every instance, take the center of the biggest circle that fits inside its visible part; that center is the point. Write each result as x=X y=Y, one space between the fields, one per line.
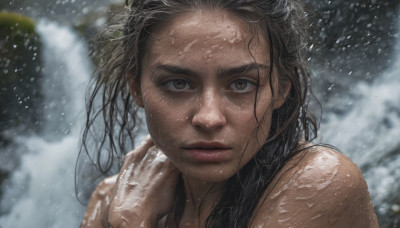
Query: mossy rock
x=20 y=72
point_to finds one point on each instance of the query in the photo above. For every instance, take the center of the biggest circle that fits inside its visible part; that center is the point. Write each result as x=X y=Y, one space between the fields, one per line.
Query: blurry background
x=44 y=66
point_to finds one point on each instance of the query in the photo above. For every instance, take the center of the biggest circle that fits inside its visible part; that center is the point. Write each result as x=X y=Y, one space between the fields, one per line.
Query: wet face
x=198 y=87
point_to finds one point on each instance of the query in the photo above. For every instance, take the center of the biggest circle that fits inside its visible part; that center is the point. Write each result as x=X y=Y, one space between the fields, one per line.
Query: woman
x=224 y=91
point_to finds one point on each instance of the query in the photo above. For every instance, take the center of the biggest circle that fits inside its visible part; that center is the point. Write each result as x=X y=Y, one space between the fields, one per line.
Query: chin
x=217 y=176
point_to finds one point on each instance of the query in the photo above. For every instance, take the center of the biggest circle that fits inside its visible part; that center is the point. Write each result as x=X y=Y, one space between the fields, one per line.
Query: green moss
x=16 y=22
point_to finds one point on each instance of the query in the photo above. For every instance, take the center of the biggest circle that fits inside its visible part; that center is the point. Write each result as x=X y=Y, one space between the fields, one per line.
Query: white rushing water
x=369 y=133
x=41 y=192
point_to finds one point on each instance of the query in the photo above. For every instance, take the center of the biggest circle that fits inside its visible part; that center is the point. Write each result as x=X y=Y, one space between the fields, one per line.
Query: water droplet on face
x=310 y=205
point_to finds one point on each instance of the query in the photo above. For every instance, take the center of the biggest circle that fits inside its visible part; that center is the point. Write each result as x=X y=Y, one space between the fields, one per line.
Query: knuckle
x=129 y=157
x=117 y=221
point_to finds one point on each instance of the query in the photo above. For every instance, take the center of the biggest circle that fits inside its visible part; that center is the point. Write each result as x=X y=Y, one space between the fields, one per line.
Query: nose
x=209 y=115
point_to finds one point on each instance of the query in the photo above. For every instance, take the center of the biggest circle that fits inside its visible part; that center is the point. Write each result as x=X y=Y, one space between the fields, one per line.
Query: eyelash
x=171 y=86
x=249 y=85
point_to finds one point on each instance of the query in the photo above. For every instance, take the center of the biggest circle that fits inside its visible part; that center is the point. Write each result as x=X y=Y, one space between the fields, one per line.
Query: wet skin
x=197 y=89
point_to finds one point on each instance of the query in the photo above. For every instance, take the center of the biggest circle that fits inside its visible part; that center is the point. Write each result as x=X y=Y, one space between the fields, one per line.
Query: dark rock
x=20 y=73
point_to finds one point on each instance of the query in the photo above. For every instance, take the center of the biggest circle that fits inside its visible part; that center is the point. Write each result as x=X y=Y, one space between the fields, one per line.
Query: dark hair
x=281 y=22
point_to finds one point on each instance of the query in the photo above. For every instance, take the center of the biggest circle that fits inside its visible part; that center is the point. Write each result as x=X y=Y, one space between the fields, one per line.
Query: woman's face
x=198 y=87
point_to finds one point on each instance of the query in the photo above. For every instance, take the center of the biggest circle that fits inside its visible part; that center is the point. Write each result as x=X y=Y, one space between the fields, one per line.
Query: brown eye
x=179 y=84
x=242 y=86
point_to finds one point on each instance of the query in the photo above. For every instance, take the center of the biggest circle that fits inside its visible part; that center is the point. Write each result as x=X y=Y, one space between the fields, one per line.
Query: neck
x=201 y=197
x=200 y=194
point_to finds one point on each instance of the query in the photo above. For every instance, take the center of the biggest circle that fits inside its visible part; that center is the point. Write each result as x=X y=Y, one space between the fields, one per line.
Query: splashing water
x=41 y=192
x=369 y=134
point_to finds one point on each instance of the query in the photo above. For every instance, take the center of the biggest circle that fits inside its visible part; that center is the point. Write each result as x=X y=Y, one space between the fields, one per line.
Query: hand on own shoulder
x=139 y=196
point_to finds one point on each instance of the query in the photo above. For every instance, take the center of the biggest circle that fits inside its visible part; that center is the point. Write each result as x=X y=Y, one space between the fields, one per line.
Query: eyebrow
x=173 y=69
x=242 y=69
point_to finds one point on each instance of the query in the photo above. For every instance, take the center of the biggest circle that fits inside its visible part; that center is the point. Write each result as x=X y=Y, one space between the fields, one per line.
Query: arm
x=139 y=196
x=325 y=189
x=100 y=198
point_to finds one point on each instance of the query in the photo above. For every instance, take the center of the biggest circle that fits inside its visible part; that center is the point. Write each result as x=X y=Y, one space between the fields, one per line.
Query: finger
x=137 y=154
x=99 y=198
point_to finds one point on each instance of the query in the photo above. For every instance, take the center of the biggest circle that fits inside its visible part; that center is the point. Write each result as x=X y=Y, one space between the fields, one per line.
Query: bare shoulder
x=319 y=187
x=100 y=196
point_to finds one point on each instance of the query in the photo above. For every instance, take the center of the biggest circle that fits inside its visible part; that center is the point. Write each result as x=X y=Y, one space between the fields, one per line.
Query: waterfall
x=369 y=133
x=40 y=193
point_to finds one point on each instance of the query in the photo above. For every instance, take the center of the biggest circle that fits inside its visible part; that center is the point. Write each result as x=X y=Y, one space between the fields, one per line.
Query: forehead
x=205 y=35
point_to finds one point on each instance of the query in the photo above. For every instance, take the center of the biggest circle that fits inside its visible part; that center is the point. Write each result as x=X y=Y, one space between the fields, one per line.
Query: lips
x=208 y=151
x=207 y=146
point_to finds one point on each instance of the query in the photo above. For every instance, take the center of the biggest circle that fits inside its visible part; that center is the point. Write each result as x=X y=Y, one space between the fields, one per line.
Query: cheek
x=164 y=121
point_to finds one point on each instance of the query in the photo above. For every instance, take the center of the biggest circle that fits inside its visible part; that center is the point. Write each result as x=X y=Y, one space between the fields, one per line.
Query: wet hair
x=282 y=23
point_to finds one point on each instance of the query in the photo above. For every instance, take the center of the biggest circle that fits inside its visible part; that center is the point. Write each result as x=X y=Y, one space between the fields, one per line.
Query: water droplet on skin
x=315 y=216
x=132 y=184
x=283 y=220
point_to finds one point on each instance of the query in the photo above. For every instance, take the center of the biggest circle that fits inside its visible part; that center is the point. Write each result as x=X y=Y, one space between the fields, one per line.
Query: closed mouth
x=207 y=146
